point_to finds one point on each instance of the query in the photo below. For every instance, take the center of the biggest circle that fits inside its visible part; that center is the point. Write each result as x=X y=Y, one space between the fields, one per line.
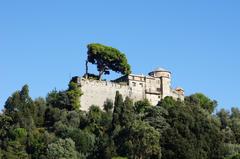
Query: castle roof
x=160 y=69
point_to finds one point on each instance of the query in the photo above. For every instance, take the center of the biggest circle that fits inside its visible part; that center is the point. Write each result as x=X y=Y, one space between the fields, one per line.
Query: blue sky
x=43 y=43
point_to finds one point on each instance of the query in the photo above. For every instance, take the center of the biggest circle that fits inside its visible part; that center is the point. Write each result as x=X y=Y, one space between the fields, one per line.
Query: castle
x=154 y=87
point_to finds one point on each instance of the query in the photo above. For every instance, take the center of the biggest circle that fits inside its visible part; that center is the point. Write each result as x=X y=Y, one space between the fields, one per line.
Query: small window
x=134 y=83
x=141 y=84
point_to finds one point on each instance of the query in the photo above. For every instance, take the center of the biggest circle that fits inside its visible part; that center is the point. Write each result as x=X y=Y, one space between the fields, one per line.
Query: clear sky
x=43 y=43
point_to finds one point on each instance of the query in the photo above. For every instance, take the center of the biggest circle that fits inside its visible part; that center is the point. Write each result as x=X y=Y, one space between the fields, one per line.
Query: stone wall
x=96 y=92
x=176 y=95
x=136 y=87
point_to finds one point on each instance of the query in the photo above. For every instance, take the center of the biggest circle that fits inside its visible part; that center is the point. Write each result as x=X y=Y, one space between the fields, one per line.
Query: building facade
x=154 y=87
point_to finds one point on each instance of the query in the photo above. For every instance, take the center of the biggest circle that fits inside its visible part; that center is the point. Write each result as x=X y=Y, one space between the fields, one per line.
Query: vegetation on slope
x=55 y=127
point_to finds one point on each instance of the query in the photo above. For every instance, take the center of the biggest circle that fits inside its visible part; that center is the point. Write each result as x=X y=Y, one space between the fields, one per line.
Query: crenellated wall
x=137 y=87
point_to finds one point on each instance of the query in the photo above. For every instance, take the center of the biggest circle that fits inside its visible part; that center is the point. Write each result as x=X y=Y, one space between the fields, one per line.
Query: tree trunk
x=86 y=67
x=100 y=75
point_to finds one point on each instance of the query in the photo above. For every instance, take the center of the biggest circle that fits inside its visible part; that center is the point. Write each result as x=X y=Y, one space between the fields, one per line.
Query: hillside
x=54 y=127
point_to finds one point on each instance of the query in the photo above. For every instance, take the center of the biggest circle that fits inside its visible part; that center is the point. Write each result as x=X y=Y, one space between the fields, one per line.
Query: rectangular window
x=134 y=83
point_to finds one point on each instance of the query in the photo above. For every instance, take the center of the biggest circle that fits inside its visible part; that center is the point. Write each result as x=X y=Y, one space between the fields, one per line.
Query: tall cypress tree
x=118 y=108
x=127 y=114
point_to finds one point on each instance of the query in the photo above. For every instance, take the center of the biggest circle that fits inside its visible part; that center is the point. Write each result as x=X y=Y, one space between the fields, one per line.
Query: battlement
x=84 y=81
x=153 y=87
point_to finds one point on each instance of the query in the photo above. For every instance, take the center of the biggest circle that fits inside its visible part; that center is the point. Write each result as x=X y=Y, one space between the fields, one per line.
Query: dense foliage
x=107 y=58
x=55 y=128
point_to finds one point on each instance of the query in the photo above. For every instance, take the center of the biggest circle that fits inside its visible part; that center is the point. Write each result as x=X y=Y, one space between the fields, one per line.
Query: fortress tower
x=154 y=87
x=165 y=78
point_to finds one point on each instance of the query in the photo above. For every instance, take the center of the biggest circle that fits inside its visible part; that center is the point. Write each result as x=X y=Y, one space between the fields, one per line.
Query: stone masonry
x=154 y=87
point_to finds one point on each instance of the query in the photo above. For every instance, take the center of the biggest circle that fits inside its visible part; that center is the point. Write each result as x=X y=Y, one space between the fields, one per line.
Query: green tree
x=74 y=93
x=140 y=141
x=193 y=132
x=39 y=111
x=235 y=112
x=69 y=99
x=62 y=149
x=107 y=58
x=58 y=99
x=199 y=99
x=15 y=150
x=235 y=127
x=84 y=140
x=94 y=120
x=55 y=128
x=37 y=142
x=156 y=117
x=141 y=106
x=231 y=150
x=237 y=156
x=127 y=115
x=21 y=107
x=117 y=111
x=108 y=105
x=224 y=118
x=6 y=124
